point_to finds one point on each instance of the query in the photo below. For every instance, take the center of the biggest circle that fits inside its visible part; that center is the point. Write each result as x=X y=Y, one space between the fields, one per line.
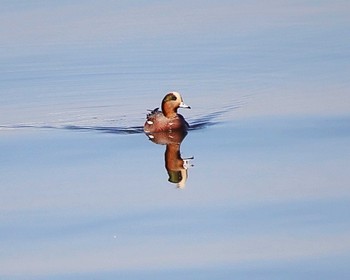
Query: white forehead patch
x=178 y=96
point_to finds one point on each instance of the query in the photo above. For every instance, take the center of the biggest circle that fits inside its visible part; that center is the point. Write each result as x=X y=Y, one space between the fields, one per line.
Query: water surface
x=86 y=195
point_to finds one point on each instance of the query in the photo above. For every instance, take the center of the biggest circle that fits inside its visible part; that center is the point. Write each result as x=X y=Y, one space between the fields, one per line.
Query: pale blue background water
x=268 y=196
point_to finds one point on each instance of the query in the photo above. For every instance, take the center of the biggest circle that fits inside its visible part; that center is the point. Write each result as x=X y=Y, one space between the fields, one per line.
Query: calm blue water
x=85 y=195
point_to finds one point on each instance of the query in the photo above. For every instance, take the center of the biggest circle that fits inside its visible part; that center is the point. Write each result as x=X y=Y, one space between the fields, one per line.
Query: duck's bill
x=183 y=105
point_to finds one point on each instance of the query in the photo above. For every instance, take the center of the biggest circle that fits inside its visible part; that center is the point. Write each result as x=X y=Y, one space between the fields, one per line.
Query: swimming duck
x=168 y=119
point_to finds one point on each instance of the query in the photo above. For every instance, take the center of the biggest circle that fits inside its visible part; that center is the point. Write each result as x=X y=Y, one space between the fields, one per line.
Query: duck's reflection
x=176 y=166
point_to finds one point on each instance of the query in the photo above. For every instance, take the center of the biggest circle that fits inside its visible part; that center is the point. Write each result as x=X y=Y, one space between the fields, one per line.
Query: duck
x=167 y=119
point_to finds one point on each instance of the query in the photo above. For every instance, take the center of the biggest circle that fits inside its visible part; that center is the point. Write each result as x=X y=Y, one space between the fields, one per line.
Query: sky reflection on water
x=84 y=194
x=100 y=204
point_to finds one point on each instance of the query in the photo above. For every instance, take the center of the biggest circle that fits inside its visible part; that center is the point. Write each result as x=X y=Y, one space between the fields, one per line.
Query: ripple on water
x=196 y=122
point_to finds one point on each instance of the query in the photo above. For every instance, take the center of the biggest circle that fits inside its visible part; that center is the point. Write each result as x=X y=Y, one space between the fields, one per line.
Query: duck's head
x=171 y=102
